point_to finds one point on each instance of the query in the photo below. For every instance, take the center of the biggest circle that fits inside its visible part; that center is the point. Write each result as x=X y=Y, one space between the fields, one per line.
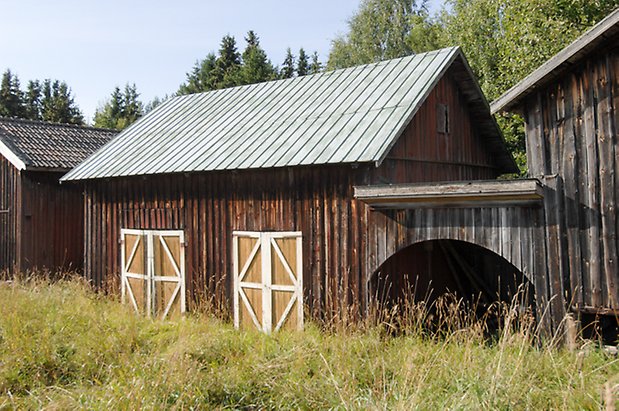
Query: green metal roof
x=351 y=115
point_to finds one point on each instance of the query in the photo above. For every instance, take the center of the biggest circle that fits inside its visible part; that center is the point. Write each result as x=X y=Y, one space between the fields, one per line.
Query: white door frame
x=265 y=242
x=150 y=276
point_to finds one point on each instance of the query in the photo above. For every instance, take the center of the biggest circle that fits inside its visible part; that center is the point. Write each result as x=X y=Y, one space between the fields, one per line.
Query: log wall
x=572 y=146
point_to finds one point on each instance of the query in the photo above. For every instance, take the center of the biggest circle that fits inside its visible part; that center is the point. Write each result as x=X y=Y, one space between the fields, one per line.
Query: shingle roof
x=45 y=145
x=350 y=115
x=606 y=31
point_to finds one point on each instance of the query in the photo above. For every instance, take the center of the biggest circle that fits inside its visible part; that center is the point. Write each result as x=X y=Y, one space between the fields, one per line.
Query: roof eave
x=13 y=158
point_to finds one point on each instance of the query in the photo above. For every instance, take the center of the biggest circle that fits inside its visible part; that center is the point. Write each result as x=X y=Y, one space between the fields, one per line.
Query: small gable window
x=442 y=118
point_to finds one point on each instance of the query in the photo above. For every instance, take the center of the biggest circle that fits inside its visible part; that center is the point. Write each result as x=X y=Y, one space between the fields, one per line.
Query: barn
x=312 y=196
x=41 y=222
x=570 y=108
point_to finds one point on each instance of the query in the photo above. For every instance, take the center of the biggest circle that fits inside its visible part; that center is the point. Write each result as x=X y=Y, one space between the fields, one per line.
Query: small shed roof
x=351 y=115
x=43 y=145
x=605 y=31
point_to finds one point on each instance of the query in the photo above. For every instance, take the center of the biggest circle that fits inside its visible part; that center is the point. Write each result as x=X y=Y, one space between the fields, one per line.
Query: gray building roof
x=49 y=146
x=351 y=115
x=606 y=31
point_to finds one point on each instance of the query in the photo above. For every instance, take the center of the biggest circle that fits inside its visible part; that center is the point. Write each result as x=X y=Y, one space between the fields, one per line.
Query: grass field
x=64 y=347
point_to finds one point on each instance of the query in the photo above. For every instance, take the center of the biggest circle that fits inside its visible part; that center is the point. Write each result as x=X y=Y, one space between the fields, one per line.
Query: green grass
x=64 y=347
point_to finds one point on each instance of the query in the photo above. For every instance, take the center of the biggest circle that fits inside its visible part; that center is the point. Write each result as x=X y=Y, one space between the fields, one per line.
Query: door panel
x=268 y=280
x=153 y=271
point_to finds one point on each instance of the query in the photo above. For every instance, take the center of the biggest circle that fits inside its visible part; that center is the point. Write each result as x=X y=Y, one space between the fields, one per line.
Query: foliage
x=287 y=70
x=201 y=77
x=57 y=105
x=381 y=30
x=50 y=100
x=228 y=68
x=228 y=64
x=256 y=67
x=156 y=101
x=121 y=110
x=505 y=40
x=11 y=104
x=315 y=65
x=64 y=347
x=303 y=66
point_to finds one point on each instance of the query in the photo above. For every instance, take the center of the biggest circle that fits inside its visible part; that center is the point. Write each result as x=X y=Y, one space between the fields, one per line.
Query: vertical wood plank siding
x=9 y=220
x=423 y=154
x=44 y=225
x=52 y=228
x=575 y=121
x=208 y=207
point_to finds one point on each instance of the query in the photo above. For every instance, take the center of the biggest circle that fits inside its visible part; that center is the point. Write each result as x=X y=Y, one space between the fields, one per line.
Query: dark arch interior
x=430 y=269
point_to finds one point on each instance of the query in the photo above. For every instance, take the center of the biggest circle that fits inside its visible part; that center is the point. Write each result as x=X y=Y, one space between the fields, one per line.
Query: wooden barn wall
x=572 y=146
x=210 y=206
x=10 y=189
x=52 y=223
x=423 y=154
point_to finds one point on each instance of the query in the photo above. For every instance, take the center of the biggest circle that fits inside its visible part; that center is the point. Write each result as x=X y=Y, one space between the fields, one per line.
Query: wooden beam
x=489 y=193
x=597 y=310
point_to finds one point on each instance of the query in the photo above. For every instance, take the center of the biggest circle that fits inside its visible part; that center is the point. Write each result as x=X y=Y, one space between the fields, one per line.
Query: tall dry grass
x=64 y=347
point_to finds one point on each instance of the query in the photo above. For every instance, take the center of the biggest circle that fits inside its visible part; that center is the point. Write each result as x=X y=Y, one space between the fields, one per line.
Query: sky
x=95 y=46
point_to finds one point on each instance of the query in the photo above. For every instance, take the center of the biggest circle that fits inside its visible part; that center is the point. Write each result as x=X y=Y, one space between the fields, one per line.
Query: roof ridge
x=322 y=73
x=54 y=124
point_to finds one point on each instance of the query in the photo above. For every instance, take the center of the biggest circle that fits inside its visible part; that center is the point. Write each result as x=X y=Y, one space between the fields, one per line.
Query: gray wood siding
x=572 y=146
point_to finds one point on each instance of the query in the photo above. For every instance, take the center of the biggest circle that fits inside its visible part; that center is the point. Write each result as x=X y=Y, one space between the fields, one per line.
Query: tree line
x=48 y=100
x=230 y=68
x=503 y=40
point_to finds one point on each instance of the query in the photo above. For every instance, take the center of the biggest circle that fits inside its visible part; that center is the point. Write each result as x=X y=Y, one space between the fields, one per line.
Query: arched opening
x=428 y=271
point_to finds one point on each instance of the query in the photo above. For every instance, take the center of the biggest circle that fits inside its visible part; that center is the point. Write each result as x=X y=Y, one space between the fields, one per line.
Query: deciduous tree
x=380 y=30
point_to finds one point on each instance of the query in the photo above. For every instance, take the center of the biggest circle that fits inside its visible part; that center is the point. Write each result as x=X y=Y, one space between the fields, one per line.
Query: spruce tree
x=228 y=64
x=121 y=110
x=302 y=63
x=316 y=65
x=287 y=70
x=132 y=107
x=256 y=67
x=202 y=76
x=57 y=104
x=11 y=99
x=32 y=100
